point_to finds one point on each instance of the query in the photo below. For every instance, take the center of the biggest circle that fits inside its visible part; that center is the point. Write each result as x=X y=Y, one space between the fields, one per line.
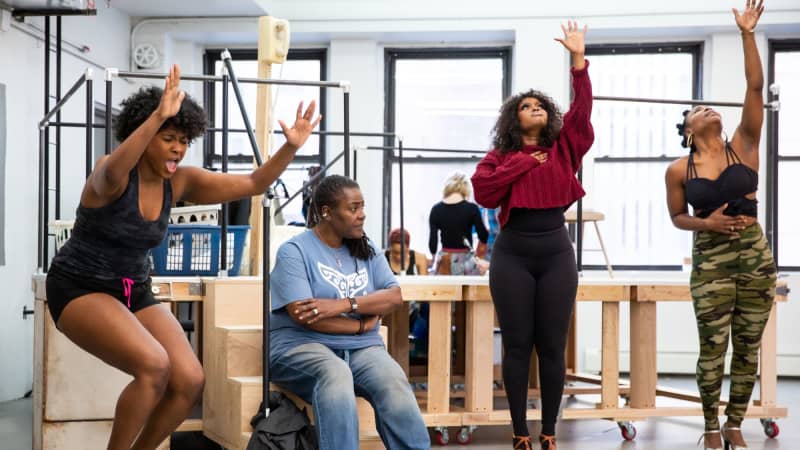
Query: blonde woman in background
x=454 y=218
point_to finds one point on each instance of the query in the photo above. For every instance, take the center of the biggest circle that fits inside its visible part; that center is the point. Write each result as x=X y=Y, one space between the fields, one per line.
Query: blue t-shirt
x=305 y=268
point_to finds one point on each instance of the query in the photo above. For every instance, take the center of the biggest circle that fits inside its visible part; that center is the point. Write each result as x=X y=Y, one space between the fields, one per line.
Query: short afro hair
x=191 y=119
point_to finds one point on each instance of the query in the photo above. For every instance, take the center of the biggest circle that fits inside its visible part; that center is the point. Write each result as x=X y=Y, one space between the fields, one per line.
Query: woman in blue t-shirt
x=329 y=288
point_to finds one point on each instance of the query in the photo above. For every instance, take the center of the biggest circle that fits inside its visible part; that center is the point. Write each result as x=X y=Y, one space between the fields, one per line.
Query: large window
x=634 y=143
x=444 y=99
x=306 y=65
x=785 y=71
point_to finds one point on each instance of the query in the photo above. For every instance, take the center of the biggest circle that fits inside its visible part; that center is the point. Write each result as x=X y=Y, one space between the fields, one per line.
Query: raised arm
x=577 y=134
x=203 y=186
x=749 y=129
x=494 y=176
x=110 y=176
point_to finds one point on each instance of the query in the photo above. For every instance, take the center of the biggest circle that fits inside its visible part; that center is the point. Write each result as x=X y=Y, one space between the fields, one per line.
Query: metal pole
x=89 y=120
x=49 y=114
x=347 y=131
x=45 y=156
x=226 y=59
x=669 y=101
x=109 y=118
x=58 y=118
x=160 y=76
x=224 y=231
x=402 y=212
x=310 y=182
x=266 y=309
x=579 y=229
x=42 y=236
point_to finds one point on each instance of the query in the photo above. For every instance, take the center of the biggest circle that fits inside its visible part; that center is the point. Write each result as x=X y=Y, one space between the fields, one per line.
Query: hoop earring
x=689 y=140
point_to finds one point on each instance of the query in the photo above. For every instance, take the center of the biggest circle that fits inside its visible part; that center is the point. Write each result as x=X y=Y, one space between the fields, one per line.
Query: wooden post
x=609 y=395
x=643 y=352
x=479 y=351
x=263 y=128
x=769 y=373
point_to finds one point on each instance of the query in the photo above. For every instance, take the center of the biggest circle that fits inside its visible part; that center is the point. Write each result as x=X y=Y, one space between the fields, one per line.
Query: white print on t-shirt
x=347 y=285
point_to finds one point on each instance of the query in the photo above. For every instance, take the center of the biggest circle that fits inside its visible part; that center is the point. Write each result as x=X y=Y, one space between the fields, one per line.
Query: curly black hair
x=682 y=132
x=507 y=133
x=328 y=193
x=191 y=119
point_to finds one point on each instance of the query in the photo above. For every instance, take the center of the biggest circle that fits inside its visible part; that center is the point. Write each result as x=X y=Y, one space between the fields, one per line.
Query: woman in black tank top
x=733 y=273
x=98 y=286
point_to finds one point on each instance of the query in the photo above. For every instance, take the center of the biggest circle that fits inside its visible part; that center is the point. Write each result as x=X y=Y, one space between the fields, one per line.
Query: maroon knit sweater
x=517 y=180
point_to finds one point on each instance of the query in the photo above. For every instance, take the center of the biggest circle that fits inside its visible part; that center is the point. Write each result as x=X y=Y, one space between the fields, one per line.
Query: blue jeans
x=331 y=379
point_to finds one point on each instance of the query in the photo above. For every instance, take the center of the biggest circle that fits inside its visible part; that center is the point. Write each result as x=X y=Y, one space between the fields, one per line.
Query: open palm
x=747 y=19
x=303 y=126
x=574 y=38
x=172 y=98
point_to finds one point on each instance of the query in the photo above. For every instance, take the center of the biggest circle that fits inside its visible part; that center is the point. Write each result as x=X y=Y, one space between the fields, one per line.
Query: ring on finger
x=316 y=311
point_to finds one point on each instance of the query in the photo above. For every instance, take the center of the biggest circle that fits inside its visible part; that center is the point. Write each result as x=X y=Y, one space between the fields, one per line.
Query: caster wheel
x=771 y=428
x=442 y=436
x=464 y=436
x=628 y=430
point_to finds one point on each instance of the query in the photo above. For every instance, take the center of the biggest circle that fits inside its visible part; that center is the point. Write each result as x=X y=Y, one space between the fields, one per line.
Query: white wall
x=107 y=35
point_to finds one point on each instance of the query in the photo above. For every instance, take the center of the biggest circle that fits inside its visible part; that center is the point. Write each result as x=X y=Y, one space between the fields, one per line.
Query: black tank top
x=114 y=241
x=412 y=263
x=731 y=187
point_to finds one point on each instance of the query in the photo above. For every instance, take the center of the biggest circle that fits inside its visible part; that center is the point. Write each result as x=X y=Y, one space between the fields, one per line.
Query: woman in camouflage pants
x=733 y=273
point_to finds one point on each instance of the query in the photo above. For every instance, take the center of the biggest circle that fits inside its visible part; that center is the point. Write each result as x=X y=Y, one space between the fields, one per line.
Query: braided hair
x=682 y=133
x=328 y=193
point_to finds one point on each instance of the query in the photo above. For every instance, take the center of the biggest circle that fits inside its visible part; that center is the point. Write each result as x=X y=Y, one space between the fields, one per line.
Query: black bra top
x=731 y=187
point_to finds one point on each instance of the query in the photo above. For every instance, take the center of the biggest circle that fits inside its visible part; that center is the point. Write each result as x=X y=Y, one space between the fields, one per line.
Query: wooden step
x=241 y=353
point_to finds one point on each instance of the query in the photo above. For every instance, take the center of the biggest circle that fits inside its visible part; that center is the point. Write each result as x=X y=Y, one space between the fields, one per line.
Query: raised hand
x=296 y=135
x=747 y=19
x=574 y=38
x=172 y=98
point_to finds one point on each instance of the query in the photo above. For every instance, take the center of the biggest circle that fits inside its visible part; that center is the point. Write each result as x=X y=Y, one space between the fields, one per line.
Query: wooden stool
x=571 y=216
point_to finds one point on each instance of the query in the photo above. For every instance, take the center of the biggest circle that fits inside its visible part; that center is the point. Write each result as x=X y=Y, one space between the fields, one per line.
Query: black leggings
x=533 y=280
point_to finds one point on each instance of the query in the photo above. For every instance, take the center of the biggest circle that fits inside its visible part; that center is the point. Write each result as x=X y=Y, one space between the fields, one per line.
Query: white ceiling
x=185 y=8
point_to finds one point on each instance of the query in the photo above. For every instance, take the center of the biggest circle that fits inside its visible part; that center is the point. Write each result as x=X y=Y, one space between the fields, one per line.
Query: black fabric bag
x=286 y=427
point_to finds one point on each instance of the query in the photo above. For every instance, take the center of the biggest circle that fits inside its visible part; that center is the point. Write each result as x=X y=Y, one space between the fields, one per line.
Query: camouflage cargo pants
x=733 y=287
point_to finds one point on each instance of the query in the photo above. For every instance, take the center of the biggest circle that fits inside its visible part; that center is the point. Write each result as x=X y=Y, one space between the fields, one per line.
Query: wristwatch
x=353 y=304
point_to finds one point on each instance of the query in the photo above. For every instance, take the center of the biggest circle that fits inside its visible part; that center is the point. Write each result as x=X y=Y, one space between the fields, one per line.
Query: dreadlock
x=682 y=133
x=328 y=193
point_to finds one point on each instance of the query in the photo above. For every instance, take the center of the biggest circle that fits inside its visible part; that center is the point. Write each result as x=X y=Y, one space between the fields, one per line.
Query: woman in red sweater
x=530 y=175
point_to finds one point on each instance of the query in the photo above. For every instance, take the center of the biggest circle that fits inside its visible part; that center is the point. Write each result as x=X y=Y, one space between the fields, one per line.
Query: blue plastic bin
x=195 y=250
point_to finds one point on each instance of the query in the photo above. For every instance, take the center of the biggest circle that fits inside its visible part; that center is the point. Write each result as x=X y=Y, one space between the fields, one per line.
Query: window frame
x=391 y=56
x=694 y=48
x=211 y=56
x=773 y=147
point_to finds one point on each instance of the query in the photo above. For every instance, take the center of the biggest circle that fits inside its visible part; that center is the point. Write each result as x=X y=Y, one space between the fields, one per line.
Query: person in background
x=454 y=218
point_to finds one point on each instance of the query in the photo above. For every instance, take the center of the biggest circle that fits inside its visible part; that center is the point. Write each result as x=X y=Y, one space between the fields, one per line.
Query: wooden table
x=641 y=293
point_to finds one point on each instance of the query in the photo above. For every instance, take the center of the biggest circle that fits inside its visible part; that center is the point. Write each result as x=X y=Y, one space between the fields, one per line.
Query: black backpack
x=286 y=427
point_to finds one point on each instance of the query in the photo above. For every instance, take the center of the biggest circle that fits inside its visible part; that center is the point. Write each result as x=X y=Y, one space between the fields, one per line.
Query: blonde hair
x=457 y=182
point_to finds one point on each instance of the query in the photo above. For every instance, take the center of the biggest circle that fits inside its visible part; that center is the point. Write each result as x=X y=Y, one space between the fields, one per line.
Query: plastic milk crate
x=195 y=250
